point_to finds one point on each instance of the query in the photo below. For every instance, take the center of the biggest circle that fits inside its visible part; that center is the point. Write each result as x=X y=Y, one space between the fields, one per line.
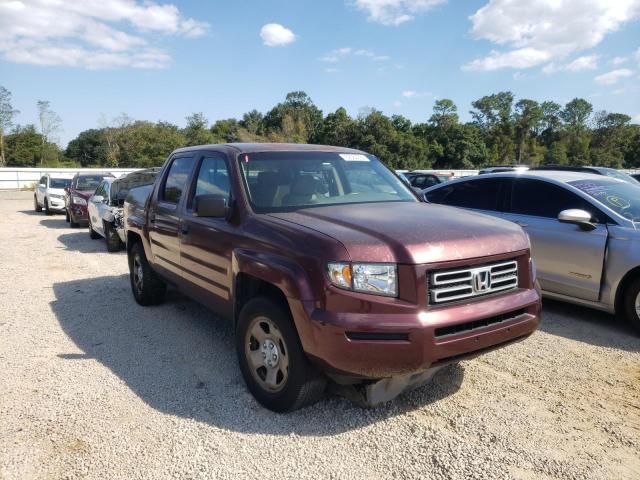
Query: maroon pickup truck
x=329 y=267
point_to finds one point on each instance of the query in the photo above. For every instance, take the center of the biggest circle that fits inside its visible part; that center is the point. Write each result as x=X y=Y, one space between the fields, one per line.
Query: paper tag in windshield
x=354 y=157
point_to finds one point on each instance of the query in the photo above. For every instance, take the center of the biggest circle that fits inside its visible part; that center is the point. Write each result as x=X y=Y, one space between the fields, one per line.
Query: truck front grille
x=458 y=284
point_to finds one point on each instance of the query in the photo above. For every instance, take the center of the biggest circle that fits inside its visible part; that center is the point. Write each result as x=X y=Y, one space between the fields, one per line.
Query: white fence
x=14 y=178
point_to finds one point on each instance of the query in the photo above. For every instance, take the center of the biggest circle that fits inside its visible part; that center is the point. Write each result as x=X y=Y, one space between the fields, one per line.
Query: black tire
x=36 y=205
x=151 y=289
x=67 y=216
x=92 y=233
x=47 y=210
x=631 y=298
x=114 y=244
x=303 y=384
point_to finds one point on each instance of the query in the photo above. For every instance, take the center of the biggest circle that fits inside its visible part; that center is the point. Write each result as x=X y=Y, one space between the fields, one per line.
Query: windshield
x=284 y=181
x=88 y=183
x=621 y=197
x=59 y=182
x=612 y=172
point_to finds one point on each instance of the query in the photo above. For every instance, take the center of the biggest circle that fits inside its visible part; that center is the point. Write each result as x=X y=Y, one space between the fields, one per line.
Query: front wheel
x=114 y=244
x=47 y=210
x=632 y=304
x=273 y=364
x=36 y=205
x=147 y=286
x=92 y=233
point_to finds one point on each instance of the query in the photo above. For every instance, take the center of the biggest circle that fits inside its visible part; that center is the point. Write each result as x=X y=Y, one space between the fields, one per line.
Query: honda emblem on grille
x=481 y=280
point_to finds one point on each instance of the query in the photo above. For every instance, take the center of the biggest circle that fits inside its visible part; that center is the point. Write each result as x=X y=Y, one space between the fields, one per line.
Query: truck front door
x=206 y=243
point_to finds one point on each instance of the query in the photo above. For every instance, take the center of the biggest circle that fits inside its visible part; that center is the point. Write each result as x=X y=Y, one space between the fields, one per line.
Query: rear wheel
x=632 y=304
x=273 y=364
x=147 y=286
x=36 y=205
x=114 y=244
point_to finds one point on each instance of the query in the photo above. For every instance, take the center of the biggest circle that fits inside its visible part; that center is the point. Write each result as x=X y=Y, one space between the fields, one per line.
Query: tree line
x=502 y=131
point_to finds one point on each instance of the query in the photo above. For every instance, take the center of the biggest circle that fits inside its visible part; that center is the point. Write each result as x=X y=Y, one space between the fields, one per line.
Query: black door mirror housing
x=211 y=206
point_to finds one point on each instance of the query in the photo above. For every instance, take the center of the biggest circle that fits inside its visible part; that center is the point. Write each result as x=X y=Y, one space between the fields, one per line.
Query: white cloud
x=92 y=34
x=519 y=76
x=394 y=12
x=414 y=94
x=536 y=32
x=619 y=60
x=586 y=62
x=397 y=104
x=275 y=35
x=331 y=70
x=613 y=77
x=342 y=53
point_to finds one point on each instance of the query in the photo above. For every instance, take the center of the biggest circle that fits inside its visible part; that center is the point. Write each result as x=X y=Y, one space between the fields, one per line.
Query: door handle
x=184 y=229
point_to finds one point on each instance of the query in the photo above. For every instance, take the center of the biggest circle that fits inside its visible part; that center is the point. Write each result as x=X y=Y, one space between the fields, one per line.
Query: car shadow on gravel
x=179 y=359
x=589 y=326
x=55 y=222
x=78 y=240
x=31 y=213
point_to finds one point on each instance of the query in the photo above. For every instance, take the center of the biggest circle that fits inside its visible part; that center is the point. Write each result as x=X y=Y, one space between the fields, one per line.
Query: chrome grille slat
x=458 y=284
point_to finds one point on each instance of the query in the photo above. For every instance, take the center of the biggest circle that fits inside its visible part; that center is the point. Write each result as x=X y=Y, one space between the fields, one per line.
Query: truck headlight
x=374 y=278
x=78 y=201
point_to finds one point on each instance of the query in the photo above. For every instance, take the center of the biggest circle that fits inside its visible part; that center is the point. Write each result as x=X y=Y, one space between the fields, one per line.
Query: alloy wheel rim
x=267 y=354
x=138 y=274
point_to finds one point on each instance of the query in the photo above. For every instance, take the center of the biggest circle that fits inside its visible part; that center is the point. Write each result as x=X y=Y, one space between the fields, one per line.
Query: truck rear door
x=164 y=216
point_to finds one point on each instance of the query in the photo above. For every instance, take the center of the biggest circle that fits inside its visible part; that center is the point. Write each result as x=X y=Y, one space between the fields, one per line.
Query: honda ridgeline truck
x=329 y=267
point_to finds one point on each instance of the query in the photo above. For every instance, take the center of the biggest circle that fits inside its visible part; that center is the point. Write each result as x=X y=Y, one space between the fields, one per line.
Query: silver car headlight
x=373 y=278
x=55 y=195
x=78 y=201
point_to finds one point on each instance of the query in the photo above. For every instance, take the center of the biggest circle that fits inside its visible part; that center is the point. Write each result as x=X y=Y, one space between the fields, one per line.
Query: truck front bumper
x=373 y=346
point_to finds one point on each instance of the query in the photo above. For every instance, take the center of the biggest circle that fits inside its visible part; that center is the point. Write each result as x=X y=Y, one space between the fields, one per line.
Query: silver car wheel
x=138 y=273
x=267 y=354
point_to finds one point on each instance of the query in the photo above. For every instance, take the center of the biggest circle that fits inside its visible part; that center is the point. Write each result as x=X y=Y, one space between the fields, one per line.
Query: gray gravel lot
x=94 y=386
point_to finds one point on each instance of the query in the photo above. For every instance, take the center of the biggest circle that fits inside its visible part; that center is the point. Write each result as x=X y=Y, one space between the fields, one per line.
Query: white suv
x=49 y=194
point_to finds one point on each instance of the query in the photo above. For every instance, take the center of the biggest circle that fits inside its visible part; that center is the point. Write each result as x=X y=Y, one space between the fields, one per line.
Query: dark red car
x=77 y=195
x=329 y=267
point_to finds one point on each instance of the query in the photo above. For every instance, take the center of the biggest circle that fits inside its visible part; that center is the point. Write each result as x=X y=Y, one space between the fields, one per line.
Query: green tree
x=296 y=119
x=89 y=148
x=197 y=130
x=577 y=136
x=23 y=146
x=50 y=124
x=493 y=114
x=7 y=112
x=528 y=118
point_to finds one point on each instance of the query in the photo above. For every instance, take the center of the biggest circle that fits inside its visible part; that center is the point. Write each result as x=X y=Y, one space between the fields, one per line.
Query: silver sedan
x=584 y=231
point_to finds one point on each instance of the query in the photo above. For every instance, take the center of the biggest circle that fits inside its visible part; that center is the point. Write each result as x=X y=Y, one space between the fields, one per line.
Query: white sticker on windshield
x=354 y=157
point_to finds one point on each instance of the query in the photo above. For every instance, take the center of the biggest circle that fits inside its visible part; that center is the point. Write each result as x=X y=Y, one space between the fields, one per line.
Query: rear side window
x=176 y=179
x=542 y=199
x=479 y=194
x=424 y=181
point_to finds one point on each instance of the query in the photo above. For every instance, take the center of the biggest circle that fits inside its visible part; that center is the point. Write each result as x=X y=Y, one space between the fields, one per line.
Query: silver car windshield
x=621 y=197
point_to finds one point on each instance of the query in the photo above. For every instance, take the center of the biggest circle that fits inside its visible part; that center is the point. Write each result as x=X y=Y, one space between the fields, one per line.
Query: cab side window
x=176 y=179
x=213 y=177
x=479 y=194
x=43 y=180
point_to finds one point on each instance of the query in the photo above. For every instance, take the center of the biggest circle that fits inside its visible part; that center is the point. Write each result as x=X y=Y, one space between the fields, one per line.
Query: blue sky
x=165 y=60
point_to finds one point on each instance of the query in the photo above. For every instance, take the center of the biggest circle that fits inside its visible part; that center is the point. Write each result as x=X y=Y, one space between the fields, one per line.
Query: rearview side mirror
x=577 y=217
x=211 y=206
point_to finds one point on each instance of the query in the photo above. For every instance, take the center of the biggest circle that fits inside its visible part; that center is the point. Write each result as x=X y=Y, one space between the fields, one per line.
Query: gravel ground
x=94 y=386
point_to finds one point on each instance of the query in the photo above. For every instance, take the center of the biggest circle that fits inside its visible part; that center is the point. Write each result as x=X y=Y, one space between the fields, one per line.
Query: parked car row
x=91 y=199
x=332 y=268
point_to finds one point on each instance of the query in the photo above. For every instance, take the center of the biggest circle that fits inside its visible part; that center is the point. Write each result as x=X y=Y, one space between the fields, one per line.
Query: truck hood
x=83 y=193
x=410 y=233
